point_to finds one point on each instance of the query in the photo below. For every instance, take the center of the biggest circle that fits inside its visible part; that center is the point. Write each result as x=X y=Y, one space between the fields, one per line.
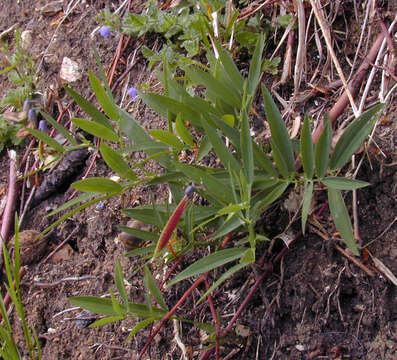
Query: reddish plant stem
x=9 y=211
x=173 y=267
x=172 y=312
x=354 y=85
x=213 y=312
x=7 y=298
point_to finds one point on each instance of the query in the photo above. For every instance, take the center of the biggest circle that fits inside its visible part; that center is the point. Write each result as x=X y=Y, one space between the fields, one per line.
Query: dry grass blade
x=384 y=269
x=300 y=63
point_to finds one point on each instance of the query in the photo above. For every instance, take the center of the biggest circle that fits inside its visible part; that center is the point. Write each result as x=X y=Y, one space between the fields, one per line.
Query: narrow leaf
x=119 y=281
x=225 y=276
x=168 y=138
x=108 y=106
x=340 y=183
x=307 y=200
x=96 y=129
x=98 y=185
x=323 y=146
x=246 y=150
x=341 y=219
x=95 y=304
x=152 y=287
x=278 y=130
x=256 y=66
x=183 y=132
x=353 y=136
x=106 y=320
x=138 y=327
x=46 y=139
x=89 y=108
x=220 y=148
x=208 y=263
x=116 y=162
x=279 y=159
x=307 y=148
x=66 y=134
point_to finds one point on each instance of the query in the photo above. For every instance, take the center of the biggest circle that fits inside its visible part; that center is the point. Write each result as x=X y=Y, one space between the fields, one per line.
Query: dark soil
x=316 y=304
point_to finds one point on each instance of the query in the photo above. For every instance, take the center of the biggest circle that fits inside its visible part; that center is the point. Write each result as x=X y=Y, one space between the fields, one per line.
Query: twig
x=382 y=233
x=354 y=85
x=60 y=245
x=56 y=283
x=327 y=37
x=355 y=261
x=216 y=320
x=178 y=340
x=26 y=207
x=300 y=62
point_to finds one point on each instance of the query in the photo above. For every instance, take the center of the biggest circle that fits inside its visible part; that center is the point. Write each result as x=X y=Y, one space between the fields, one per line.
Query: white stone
x=70 y=70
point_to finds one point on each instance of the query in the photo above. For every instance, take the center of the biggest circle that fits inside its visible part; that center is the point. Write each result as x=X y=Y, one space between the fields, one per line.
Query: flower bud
x=104 y=31
x=43 y=125
x=32 y=116
x=190 y=190
x=132 y=92
x=26 y=105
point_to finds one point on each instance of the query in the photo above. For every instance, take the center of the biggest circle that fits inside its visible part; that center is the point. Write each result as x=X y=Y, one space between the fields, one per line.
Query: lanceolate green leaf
x=307 y=199
x=116 y=162
x=307 y=148
x=119 y=281
x=90 y=109
x=246 y=150
x=201 y=177
x=108 y=106
x=353 y=136
x=141 y=325
x=225 y=276
x=152 y=287
x=230 y=67
x=96 y=129
x=278 y=129
x=168 y=138
x=95 y=304
x=183 y=132
x=323 y=146
x=208 y=263
x=341 y=219
x=66 y=134
x=341 y=183
x=98 y=185
x=214 y=86
x=219 y=146
x=256 y=66
x=46 y=139
x=279 y=159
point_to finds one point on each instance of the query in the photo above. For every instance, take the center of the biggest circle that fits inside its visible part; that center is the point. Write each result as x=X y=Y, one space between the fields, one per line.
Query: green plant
x=20 y=67
x=8 y=348
x=251 y=176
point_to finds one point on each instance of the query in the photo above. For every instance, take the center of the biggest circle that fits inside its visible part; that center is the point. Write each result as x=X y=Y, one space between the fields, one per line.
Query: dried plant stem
x=327 y=36
x=9 y=211
x=354 y=85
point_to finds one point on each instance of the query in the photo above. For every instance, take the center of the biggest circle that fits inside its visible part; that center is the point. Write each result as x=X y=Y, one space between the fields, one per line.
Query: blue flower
x=32 y=116
x=132 y=92
x=26 y=105
x=104 y=31
x=43 y=125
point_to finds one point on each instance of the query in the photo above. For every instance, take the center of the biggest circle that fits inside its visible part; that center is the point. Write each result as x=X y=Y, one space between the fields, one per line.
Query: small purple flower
x=43 y=125
x=32 y=116
x=132 y=92
x=26 y=105
x=104 y=31
x=190 y=190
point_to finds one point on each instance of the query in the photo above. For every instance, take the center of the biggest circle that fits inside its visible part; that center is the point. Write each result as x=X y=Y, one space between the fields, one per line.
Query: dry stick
x=327 y=37
x=354 y=85
x=300 y=62
x=355 y=261
x=60 y=245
